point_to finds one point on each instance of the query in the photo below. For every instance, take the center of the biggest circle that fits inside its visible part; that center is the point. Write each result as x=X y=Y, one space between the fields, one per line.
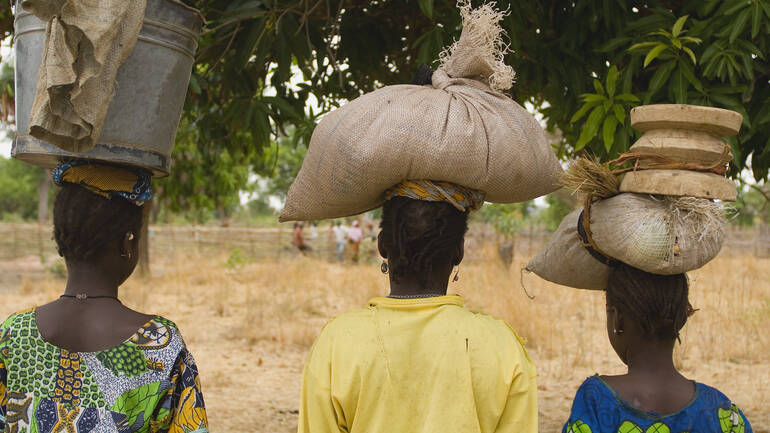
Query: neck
x=411 y=286
x=89 y=279
x=653 y=357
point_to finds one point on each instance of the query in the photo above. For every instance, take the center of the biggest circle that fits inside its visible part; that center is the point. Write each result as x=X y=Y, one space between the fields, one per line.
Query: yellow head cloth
x=462 y=198
x=106 y=180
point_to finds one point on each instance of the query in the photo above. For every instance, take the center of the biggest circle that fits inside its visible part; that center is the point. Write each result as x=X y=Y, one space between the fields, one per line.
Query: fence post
x=762 y=241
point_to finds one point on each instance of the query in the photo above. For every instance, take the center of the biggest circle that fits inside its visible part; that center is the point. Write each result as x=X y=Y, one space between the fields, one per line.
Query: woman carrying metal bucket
x=85 y=362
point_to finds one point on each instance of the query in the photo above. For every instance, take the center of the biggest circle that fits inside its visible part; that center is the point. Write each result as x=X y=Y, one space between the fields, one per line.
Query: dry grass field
x=250 y=324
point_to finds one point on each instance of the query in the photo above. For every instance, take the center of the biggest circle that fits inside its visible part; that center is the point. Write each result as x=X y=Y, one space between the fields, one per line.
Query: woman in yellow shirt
x=418 y=360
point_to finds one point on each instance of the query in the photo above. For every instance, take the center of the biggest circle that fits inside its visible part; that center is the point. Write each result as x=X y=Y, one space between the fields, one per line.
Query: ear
x=381 y=246
x=459 y=254
x=126 y=245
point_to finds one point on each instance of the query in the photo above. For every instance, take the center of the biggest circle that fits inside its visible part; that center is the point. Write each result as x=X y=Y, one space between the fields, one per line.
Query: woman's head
x=421 y=238
x=89 y=228
x=645 y=306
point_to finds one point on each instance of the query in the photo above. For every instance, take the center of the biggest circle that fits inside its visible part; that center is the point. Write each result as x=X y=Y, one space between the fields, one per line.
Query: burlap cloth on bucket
x=86 y=42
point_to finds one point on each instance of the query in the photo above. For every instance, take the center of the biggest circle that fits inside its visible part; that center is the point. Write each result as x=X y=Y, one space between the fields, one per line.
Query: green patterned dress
x=149 y=383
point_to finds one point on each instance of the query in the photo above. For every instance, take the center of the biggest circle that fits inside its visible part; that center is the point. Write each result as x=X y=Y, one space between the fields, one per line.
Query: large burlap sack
x=565 y=261
x=658 y=234
x=460 y=129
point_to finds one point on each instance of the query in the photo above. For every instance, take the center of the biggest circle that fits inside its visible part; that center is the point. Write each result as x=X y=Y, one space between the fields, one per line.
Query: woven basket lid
x=679 y=116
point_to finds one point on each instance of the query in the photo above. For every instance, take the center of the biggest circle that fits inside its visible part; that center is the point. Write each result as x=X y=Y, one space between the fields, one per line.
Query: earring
x=384 y=267
x=617 y=331
x=130 y=236
x=126 y=256
x=457 y=274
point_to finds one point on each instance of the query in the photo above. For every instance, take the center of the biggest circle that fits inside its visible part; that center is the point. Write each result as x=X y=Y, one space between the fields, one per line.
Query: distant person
x=645 y=313
x=418 y=360
x=355 y=235
x=85 y=362
x=298 y=238
x=340 y=238
x=332 y=241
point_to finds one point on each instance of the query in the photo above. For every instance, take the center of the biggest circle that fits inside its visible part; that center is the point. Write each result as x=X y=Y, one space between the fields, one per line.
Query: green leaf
x=756 y=20
x=710 y=52
x=739 y=25
x=612 y=80
x=642 y=45
x=738 y=5
x=679 y=87
x=590 y=128
x=689 y=74
x=614 y=44
x=663 y=33
x=748 y=66
x=691 y=39
x=659 y=78
x=764 y=115
x=678 y=26
x=620 y=113
x=582 y=111
x=627 y=97
x=194 y=86
x=593 y=97
x=655 y=52
x=426 y=6
x=608 y=132
x=691 y=54
x=622 y=139
x=598 y=87
x=284 y=106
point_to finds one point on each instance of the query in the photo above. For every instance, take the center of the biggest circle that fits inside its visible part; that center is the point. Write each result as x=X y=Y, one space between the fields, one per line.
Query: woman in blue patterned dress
x=645 y=313
x=84 y=362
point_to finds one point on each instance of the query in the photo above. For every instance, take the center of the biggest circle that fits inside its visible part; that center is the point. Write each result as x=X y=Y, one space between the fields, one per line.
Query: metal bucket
x=151 y=86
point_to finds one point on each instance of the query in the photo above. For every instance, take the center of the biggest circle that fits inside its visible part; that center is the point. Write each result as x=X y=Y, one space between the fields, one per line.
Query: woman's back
x=597 y=408
x=149 y=381
x=426 y=365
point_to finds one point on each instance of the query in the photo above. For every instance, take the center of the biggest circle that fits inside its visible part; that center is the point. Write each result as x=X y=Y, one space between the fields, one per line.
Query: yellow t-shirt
x=418 y=365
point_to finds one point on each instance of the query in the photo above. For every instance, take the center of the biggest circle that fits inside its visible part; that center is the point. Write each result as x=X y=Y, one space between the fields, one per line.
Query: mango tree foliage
x=624 y=53
x=262 y=63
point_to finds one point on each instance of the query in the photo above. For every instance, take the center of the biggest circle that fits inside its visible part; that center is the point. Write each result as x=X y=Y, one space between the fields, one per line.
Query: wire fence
x=22 y=240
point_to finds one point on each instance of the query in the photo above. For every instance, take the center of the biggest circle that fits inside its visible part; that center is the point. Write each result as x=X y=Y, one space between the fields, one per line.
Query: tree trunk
x=43 y=187
x=224 y=218
x=144 y=240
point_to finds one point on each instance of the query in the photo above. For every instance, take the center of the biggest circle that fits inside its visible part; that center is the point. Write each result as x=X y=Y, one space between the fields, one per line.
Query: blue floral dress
x=598 y=409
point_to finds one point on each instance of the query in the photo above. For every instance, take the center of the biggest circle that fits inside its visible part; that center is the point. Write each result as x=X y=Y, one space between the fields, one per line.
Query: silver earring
x=617 y=331
x=384 y=267
x=457 y=275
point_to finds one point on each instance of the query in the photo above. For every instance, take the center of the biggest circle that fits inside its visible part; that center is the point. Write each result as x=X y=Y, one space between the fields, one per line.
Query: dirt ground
x=249 y=324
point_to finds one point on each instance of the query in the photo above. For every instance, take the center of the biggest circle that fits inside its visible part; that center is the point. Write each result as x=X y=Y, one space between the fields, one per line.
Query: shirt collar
x=416 y=303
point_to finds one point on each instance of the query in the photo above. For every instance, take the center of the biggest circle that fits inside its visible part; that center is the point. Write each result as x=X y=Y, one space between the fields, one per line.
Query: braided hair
x=85 y=222
x=658 y=303
x=420 y=236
